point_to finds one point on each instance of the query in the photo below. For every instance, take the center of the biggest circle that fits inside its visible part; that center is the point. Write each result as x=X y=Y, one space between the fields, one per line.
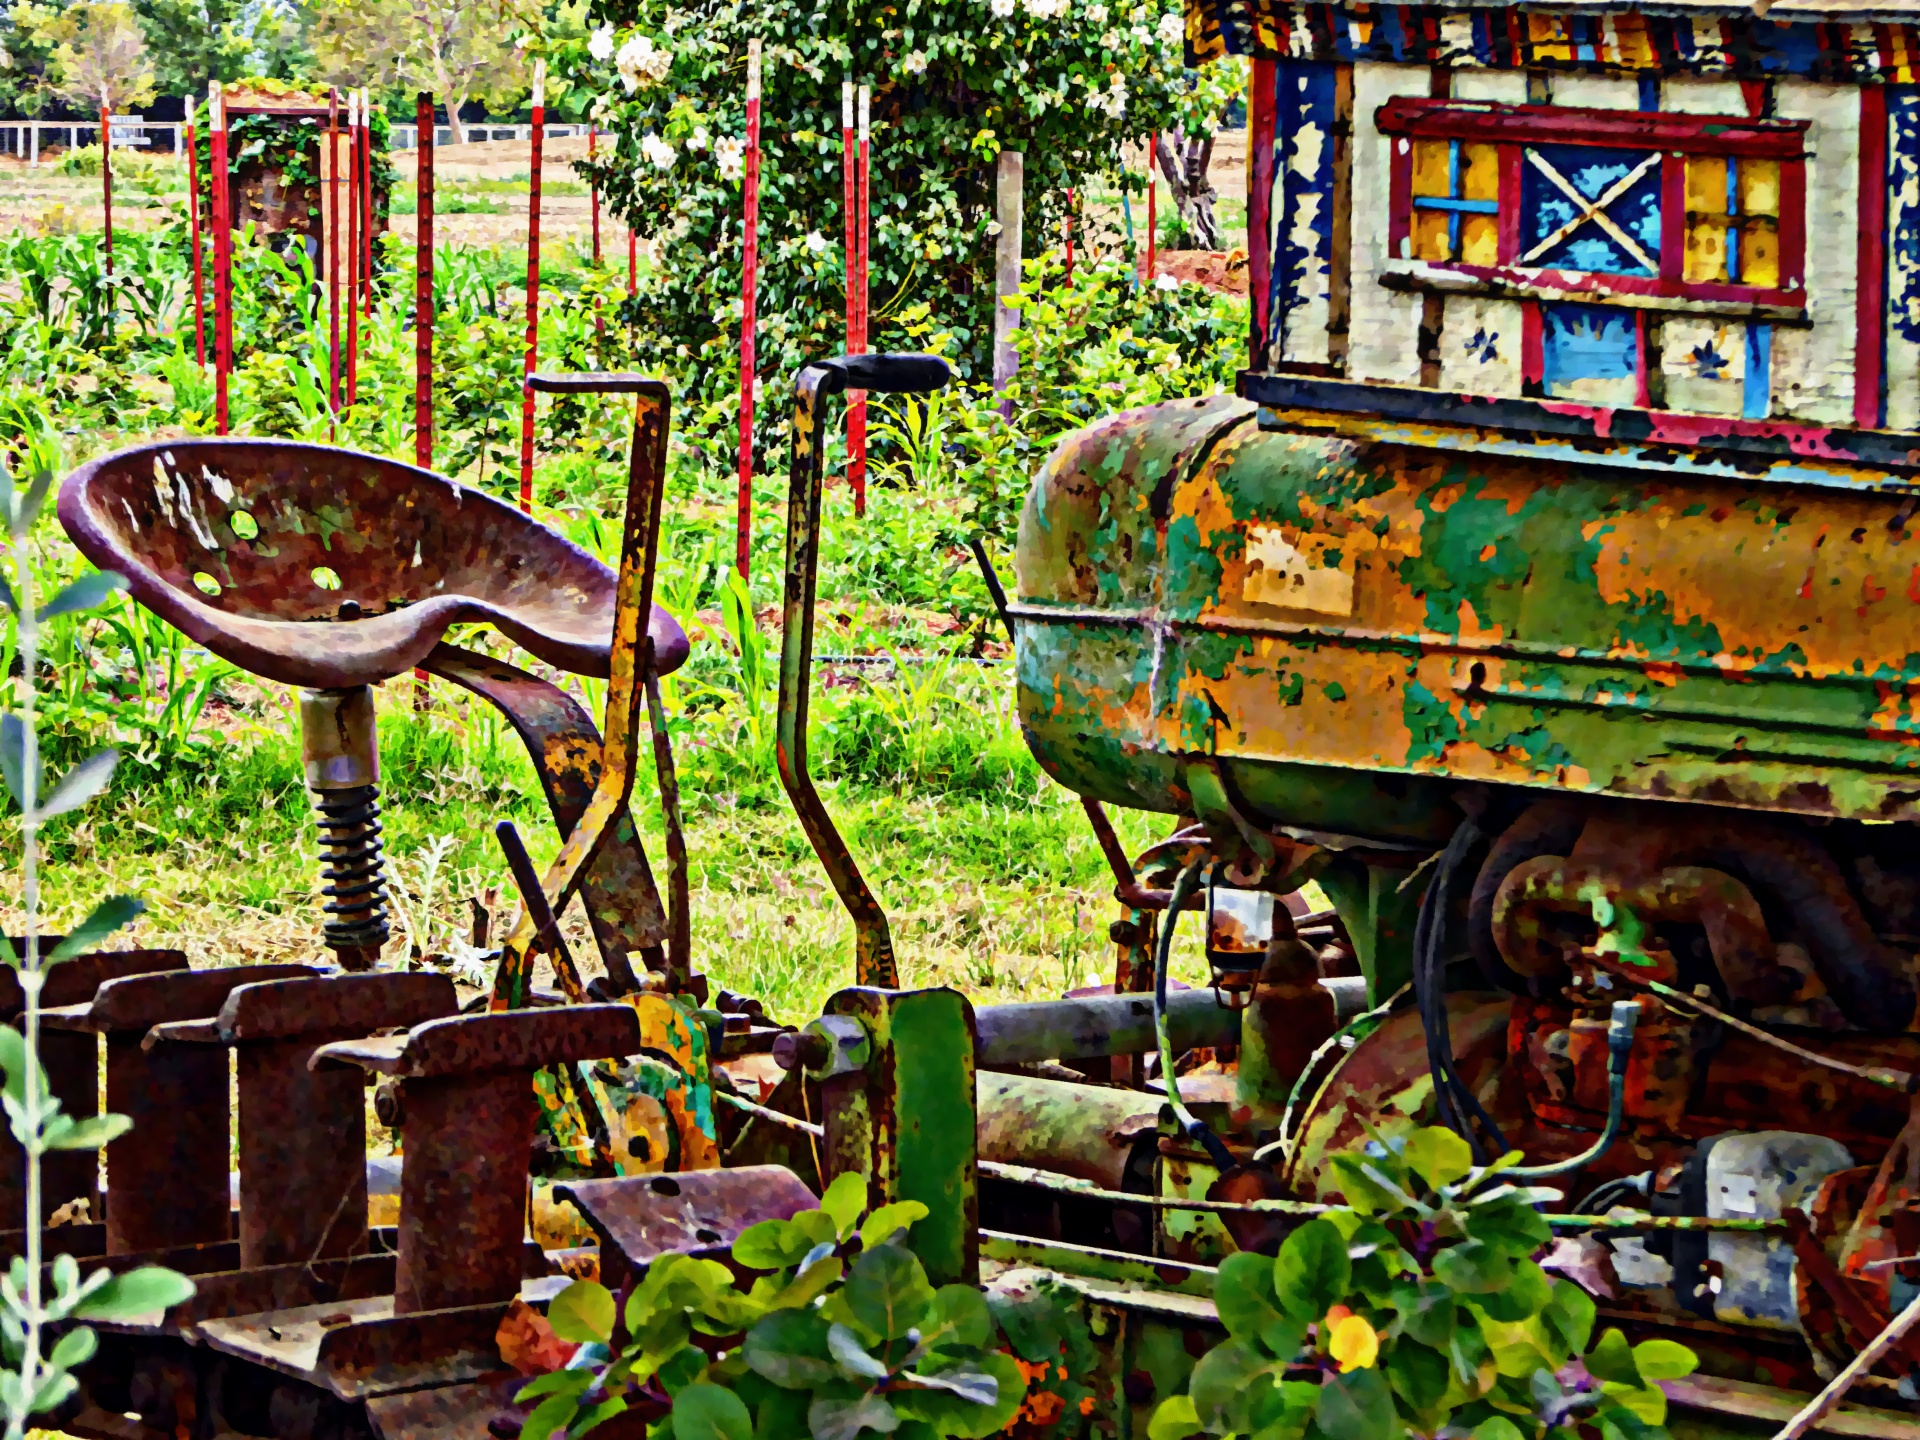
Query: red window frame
x=1513 y=127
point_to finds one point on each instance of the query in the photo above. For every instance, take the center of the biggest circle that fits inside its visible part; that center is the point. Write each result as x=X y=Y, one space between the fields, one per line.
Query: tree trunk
x=1184 y=160
x=453 y=118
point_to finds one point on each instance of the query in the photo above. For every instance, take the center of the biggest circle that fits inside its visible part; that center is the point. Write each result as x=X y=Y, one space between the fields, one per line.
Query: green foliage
x=1418 y=1309
x=953 y=86
x=840 y=1332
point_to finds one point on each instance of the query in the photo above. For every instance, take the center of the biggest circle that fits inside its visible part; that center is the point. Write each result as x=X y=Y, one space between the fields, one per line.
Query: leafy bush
x=1418 y=1307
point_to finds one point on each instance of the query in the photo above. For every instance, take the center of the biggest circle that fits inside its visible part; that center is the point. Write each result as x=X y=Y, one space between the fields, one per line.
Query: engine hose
x=1191 y=1125
x=1620 y=1027
x=1455 y=1101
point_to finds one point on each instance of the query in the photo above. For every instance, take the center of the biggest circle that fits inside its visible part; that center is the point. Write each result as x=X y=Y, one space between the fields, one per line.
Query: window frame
x=1512 y=128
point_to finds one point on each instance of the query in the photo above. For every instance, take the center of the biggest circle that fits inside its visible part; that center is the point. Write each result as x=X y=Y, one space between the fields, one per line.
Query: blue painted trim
x=1757 y=398
x=1649 y=92
x=1471 y=207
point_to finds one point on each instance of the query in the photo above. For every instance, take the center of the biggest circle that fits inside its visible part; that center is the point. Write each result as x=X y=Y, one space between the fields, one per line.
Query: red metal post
x=423 y=288
x=533 y=284
x=750 y=262
x=222 y=258
x=1261 y=108
x=366 y=197
x=1870 y=308
x=599 y=320
x=193 y=239
x=857 y=399
x=331 y=215
x=353 y=246
x=1069 y=237
x=850 y=216
x=106 y=186
x=633 y=264
x=1153 y=217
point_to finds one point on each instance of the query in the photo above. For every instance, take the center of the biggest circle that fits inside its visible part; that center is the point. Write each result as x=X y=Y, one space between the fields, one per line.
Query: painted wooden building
x=1687 y=225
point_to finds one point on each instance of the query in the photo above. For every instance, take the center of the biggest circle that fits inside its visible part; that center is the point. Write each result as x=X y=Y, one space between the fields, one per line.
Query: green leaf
x=573 y=1383
x=960 y=1317
x=1358 y=1406
x=707 y=1412
x=1223 y=1381
x=80 y=784
x=951 y=1415
x=1646 y=1403
x=852 y=1358
x=1360 y=1190
x=789 y=1348
x=1471 y=1268
x=681 y=1369
x=583 y=1311
x=844 y=1419
x=1569 y=1317
x=1312 y=1273
x=844 y=1201
x=976 y=1387
x=83 y=594
x=1418 y=1375
x=74 y=1349
x=551 y=1415
x=1664 y=1360
x=1426 y=1312
x=105 y=918
x=93 y=1132
x=883 y=1222
x=598 y=1415
x=13 y=749
x=1612 y=1359
x=809 y=1284
x=771 y=1245
x=138 y=1292
x=1438 y=1156
x=1174 y=1419
x=1497 y=1427
x=1526 y=1293
x=887 y=1290
x=1243 y=1294
x=1508 y=1225
x=1284 y=1411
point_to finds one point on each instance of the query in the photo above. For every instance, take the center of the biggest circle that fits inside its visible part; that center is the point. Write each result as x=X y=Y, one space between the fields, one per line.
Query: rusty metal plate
x=139 y=1002
x=641 y=1217
x=385 y=554
x=448 y=1412
x=502 y=1040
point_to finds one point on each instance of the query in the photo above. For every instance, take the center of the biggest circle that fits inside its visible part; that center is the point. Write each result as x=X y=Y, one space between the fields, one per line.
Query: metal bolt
x=801 y=1050
x=1124 y=932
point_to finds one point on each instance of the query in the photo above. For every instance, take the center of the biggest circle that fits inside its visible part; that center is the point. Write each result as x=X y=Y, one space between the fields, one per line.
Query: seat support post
x=340 y=751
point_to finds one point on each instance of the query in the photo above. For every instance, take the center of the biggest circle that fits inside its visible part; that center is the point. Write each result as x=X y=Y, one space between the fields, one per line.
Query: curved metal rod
x=1191 y=1125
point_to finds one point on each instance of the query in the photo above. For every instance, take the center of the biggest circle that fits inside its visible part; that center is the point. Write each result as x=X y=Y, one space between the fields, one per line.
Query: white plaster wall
x=1383 y=344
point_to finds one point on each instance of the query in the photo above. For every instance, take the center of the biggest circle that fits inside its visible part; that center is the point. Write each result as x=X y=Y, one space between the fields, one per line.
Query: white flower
x=641 y=65
x=730 y=156
x=993 y=227
x=1173 y=28
x=658 y=152
x=816 y=242
x=1114 y=102
x=1096 y=13
x=1046 y=9
x=601 y=45
x=1001 y=9
x=699 y=140
x=1164 y=281
x=914 y=64
x=1112 y=40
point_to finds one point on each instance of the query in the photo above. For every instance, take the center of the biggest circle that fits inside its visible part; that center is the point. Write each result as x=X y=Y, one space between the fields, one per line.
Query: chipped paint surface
x=1592 y=629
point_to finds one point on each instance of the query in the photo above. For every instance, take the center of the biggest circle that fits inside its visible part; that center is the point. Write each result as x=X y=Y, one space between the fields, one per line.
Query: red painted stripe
x=1511 y=160
x=1793 y=231
x=1532 y=345
x=1580 y=285
x=222 y=273
x=333 y=254
x=1648 y=129
x=533 y=306
x=1673 y=219
x=1261 y=118
x=423 y=286
x=1643 y=363
x=1870 y=312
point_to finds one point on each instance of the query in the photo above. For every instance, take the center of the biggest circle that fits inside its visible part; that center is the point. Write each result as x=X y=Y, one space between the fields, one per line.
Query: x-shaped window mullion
x=1594 y=210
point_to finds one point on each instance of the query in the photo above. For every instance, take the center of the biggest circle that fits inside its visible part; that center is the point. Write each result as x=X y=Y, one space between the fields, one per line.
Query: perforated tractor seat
x=322 y=567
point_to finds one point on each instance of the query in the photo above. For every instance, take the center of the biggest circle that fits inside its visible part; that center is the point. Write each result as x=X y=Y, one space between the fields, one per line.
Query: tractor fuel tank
x=1344 y=630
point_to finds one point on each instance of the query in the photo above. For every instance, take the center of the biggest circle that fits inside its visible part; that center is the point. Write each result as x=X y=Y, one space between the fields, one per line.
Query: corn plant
x=41 y=1341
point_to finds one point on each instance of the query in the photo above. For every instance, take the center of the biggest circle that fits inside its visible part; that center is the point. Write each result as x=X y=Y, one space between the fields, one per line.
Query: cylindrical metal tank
x=1346 y=629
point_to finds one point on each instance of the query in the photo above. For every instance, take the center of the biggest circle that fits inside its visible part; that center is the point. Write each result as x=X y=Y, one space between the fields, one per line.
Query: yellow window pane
x=1706 y=186
x=1760 y=254
x=1480 y=172
x=1759 y=182
x=1430 y=235
x=1431 y=159
x=1479 y=240
x=1706 y=251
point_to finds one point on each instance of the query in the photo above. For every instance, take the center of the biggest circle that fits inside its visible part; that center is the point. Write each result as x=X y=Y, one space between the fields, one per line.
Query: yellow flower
x=1353 y=1343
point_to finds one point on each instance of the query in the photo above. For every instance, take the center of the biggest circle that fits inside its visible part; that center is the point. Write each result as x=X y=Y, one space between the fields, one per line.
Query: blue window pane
x=1589 y=172
x=1586 y=343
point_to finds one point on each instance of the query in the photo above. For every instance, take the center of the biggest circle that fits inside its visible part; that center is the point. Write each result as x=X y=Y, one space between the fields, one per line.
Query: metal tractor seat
x=332 y=570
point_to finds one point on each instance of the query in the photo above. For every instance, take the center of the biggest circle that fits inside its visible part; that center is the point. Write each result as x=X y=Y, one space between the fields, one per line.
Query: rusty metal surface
x=1102 y=1135
x=257 y=1290
x=72 y=1063
x=641 y=1217
x=621 y=899
x=497 y=1041
x=1096 y=1025
x=1350 y=608
x=361 y=1348
x=446 y=1412
x=134 y=1004
x=385 y=555
x=635 y=653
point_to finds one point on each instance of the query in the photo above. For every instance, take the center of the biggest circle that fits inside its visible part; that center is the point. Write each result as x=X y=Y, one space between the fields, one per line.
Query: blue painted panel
x=1756 y=396
x=1585 y=342
x=1302 y=205
x=1593 y=172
